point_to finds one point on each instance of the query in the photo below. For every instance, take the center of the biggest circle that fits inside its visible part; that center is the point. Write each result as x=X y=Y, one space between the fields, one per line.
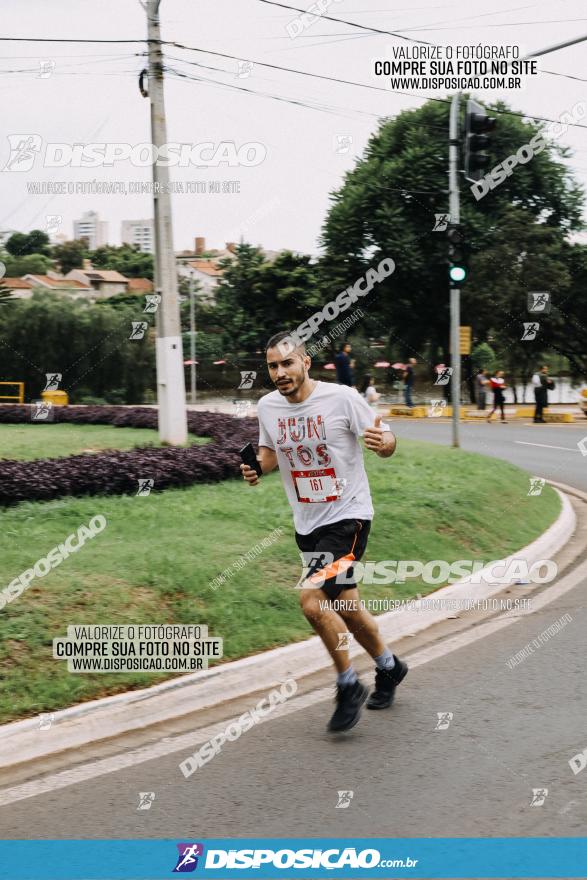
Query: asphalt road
x=548 y=450
x=512 y=730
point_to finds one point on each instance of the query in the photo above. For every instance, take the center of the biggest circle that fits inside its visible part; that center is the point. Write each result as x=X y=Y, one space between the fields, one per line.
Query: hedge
x=113 y=472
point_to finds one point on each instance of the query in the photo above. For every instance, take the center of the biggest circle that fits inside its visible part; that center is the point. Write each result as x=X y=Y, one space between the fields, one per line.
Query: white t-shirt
x=318 y=452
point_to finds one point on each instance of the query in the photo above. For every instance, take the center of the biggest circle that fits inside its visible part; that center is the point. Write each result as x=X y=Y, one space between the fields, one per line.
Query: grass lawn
x=154 y=560
x=48 y=440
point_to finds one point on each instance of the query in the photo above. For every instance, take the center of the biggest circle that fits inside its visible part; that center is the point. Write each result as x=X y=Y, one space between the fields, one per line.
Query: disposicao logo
x=187 y=860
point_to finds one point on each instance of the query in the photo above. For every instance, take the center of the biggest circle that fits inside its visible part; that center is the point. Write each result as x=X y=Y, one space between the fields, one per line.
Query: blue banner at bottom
x=285 y=858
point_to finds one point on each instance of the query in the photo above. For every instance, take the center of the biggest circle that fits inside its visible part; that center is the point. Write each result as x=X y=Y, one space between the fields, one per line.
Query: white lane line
x=169 y=745
x=546 y=446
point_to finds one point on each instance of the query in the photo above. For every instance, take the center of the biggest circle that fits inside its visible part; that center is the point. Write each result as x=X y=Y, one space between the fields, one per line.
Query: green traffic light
x=457 y=273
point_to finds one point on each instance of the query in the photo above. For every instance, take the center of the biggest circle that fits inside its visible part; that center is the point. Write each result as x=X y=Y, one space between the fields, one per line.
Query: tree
x=524 y=256
x=564 y=330
x=127 y=259
x=234 y=295
x=34 y=264
x=5 y=295
x=88 y=344
x=70 y=255
x=22 y=243
x=257 y=298
x=483 y=357
x=387 y=204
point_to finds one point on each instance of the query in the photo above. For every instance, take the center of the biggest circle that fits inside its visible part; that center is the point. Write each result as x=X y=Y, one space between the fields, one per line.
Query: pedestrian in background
x=409 y=382
x=542 y=385
x=369 y=391
x=497 y=384
x=481 y=382
x=343 y=364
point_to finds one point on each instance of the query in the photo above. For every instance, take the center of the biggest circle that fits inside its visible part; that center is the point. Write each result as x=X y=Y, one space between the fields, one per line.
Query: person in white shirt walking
x=369 y=391
x=310 y=430
x=542 y=385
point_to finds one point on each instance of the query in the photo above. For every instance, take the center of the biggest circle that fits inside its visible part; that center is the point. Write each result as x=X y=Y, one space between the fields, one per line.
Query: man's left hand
x=379 y=440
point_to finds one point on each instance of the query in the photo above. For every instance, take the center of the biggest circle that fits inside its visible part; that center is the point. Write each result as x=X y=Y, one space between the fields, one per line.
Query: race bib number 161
x=317 y=485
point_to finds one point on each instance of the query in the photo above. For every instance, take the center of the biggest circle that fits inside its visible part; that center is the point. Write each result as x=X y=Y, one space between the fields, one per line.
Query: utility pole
x=169 y=354
x=455 y=293
x=192 y=339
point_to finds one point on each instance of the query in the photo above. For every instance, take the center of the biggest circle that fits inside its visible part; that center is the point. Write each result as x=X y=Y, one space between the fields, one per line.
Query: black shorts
x=330 y=549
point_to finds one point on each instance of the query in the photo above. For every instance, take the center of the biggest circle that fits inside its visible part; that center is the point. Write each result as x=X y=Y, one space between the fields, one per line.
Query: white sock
x=385 y=660
x=349 y=676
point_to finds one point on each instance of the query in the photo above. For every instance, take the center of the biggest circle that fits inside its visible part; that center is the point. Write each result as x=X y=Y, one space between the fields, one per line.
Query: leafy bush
x=91 y=400
x=87 y=343
x=113 y=472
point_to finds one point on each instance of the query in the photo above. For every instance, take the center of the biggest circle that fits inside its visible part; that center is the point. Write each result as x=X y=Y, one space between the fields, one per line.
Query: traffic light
x=477 y=127
x=457 y=259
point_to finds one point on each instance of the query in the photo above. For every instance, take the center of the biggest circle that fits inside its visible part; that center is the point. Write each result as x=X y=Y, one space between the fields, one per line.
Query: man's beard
x=292 y=385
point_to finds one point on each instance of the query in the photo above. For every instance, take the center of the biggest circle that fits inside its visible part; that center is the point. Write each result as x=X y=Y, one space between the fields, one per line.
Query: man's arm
x=364 y=423
x=268 y=459
x=381 y=441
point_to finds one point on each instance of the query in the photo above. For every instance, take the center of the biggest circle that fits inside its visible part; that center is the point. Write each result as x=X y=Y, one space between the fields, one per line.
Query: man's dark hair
x=279 y=337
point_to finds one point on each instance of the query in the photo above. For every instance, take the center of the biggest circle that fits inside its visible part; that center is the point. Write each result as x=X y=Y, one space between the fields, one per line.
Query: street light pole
x=555 y=47
x=169 y=355
x=455 y=294
x=192 y=339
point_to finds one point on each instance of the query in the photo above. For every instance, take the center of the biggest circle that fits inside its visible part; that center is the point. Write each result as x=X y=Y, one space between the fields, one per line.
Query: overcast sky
x=91 y=95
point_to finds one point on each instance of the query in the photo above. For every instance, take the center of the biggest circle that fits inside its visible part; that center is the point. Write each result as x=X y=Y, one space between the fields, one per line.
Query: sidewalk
x=397 y=410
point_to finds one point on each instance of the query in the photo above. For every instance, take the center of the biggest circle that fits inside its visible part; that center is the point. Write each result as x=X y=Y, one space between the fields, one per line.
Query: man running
x=310 y=430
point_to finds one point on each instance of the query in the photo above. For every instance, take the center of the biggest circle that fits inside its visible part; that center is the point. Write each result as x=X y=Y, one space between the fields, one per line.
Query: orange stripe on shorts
x=333 y=569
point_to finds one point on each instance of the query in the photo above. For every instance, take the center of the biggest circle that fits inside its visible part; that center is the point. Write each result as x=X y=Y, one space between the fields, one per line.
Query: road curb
x=90 y=722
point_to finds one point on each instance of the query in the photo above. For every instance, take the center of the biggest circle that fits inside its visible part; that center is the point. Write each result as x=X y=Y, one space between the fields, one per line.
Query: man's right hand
x=249 y=474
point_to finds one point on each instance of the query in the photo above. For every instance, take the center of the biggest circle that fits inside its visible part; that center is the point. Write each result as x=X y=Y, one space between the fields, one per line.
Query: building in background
x=203 y=265
x=139 y=285
x=17 y=287
x=138 y=232
x=73 y=288
x=105 y=282
x=205 y=272
x=91 y=228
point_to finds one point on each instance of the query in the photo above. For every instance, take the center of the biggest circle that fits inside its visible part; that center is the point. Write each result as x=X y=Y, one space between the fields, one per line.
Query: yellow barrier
x=519 y=412
x=58 y=398
x=415 y=412
x=19 y=396
x=558 y=417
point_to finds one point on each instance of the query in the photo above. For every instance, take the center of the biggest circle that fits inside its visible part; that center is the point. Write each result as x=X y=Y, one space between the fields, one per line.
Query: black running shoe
x=386 y=681
x=349 y=702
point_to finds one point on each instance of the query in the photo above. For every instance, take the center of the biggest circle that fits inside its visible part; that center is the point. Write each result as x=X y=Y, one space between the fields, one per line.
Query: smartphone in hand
x=247 y=454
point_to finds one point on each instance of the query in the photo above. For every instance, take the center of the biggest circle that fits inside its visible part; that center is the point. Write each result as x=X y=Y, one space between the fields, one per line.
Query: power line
x=67 y=40
x=350 y=82
x=268 y=95
x=466 y=18
x=295 y=9
x=273 y=3
x=350 y=23
x=470 y=27
x=286 y=69
x=293 y=101
x=99 y=60
x=566 y=75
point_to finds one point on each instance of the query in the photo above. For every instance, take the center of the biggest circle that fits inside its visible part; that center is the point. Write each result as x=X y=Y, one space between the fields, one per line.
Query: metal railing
x=19 y=396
